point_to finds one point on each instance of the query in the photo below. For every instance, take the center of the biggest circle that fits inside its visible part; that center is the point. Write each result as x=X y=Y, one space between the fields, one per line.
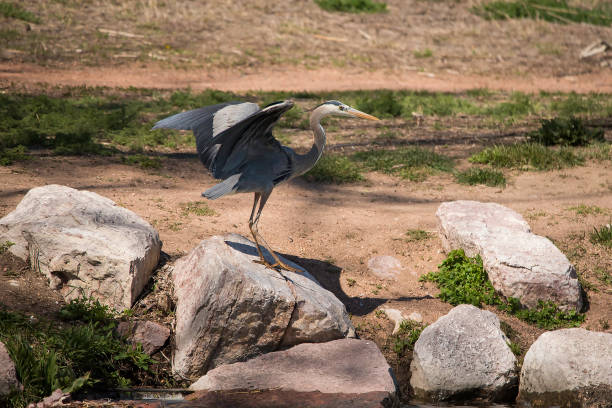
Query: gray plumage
x=235 y=142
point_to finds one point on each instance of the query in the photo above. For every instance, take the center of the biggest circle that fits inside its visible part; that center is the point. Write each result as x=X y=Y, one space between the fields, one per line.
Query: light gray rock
x=396 y=317
x=385 y=267
x=84 y=243
x=229 y=308
x=464 y=354
x=568 y=368
x=151 y=335
x=347 y=366
x=519 y=264
x=8 y=374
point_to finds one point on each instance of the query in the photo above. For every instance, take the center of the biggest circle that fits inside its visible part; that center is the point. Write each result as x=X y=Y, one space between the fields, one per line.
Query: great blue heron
x=235 y=142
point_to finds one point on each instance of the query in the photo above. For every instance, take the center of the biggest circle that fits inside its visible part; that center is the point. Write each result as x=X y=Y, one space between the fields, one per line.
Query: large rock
x=464 y=354
x=229 y=308
x=8 y=374
x=568 y=368
x=84 y=243
x=346 y=366
x=519 y=264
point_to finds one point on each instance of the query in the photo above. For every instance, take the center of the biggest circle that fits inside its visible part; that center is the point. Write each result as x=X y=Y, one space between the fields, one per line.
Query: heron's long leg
x=262 y=198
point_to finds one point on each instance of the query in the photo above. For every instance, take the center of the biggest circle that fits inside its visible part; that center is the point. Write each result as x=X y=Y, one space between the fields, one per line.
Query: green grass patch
x=199 y=208
x=10 y=155
x=569 y=131
x=426 y=53
x=413 y=163
x=528 y=156
x=336 y=169
x=352 y=6
x=415 y=235
x=13 y=10
x=5 y=246
x=518 y=106
x=602 y=235
x=463 y=280
x=407 y=335
x=583 y=209
x=556 y=11
x=83 y=353
x=476 y=175
x=145 y=162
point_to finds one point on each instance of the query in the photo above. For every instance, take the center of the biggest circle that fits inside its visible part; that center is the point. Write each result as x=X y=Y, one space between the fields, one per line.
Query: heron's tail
x=227 y=186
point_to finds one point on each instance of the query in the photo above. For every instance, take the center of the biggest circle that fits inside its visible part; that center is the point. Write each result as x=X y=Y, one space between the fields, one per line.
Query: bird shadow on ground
x=328 y=276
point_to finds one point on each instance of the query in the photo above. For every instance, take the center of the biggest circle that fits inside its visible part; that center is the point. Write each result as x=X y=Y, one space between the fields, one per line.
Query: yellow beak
x=363 y=115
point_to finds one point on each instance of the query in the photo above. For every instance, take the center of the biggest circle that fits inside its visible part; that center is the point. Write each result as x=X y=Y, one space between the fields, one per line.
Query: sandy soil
x=331 y=230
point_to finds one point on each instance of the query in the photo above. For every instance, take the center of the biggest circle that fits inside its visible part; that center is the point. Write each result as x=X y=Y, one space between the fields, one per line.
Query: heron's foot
x=276 y=266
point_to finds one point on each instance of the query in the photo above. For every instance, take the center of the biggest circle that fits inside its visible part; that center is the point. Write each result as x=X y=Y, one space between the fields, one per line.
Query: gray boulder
x=229 y=308
x=568 y=368
x=347 y=366
x=519 y=263
x=83 y=243
x=464 y=354
x=8 y=374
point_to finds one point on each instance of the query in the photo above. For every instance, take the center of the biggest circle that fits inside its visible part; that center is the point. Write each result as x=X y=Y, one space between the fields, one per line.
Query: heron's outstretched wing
x=210 y=121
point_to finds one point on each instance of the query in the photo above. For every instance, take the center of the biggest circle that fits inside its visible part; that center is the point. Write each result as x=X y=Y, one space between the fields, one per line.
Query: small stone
x=385 y=267
x=8 y=373
x=396 y=317
x=151 y=335
x=416 y=317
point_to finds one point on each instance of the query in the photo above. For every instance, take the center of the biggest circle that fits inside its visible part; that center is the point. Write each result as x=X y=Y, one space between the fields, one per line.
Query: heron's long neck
x=305 y=162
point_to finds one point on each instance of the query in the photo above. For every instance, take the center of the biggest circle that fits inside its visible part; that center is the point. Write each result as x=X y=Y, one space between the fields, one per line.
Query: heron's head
x=337 y=108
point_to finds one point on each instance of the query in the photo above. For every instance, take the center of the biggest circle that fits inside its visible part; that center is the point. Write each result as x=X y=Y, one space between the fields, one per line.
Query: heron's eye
x=341 y=108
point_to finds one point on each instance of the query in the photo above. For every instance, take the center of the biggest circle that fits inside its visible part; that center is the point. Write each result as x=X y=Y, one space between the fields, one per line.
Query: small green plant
x=352 y=6
x=87 y=309
x=334 y=169
x=605 y=325
x=462 y=280
x=12 y=10
x=350 y=282
x=583 y=209
x=565 y=132
x=512 y=335
x=604 y=276
x=426 y=53
x=556 y=11
x=407 y=335
x=414 y=235
x=145 y=162
x=5 y=246
x=476 y=175
x=528 y=156
x=199 y=208
x=380 y=314
x=602 y=235
x=546 y=315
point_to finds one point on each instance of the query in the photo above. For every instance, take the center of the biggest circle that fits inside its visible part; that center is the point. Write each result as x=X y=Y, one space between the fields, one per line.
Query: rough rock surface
x=8 y=374
x=284 y=399
x=385 y=267
x=84 y=243
x=519 y=264
x=464 y=354
x=348 y=366
x=568 y=368
x=151 y=335
x=229 y=308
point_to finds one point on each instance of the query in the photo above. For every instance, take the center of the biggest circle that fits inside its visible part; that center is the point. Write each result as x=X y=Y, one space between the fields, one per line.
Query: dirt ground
x=332 y=230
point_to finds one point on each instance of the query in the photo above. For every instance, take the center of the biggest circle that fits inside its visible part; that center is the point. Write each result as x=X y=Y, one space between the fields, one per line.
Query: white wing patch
x=230 y=115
